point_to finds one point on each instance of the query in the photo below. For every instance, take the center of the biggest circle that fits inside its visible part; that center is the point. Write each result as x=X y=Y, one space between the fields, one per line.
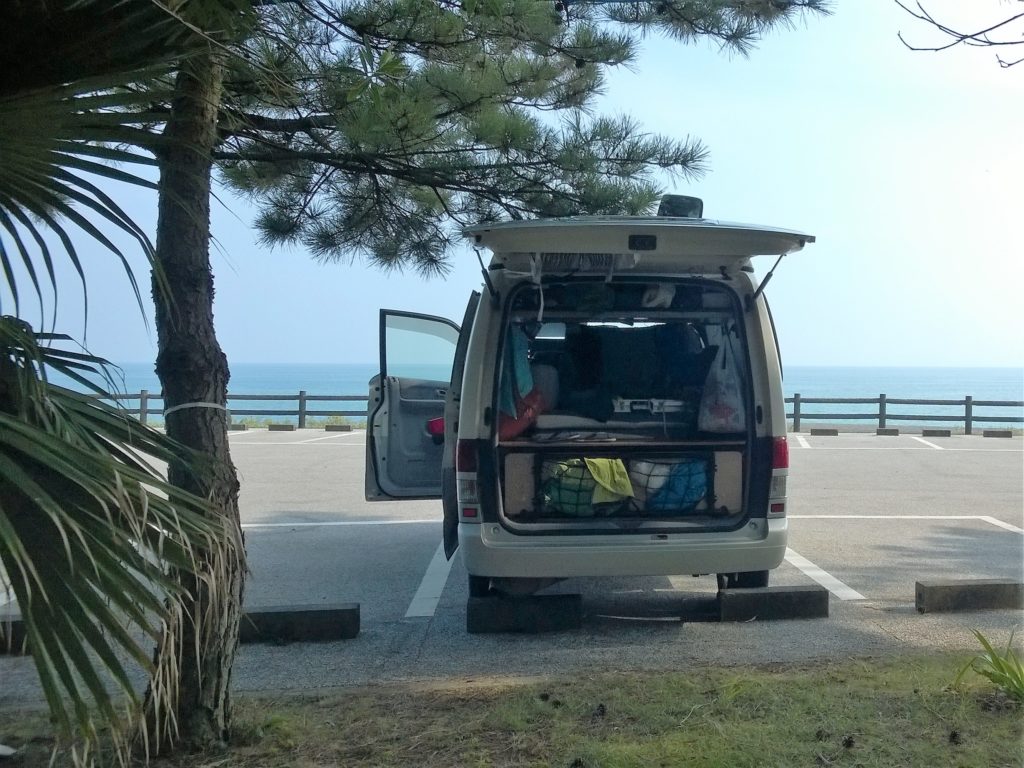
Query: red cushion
x=528 y=408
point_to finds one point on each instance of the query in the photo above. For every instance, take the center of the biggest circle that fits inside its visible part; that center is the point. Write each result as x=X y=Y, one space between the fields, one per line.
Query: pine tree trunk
x=196 y=656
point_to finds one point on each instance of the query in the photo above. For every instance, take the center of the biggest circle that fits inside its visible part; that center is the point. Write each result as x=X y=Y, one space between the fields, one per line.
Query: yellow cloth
x=612 y=480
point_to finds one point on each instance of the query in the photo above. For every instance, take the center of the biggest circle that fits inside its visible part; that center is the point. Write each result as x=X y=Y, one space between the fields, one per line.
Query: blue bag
x=683 y=489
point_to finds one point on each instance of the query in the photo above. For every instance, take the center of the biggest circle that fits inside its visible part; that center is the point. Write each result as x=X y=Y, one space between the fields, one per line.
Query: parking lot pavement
x=869 y=516
x=319 y=565
x=868 y=511
x=309 y=476
x=863 y=474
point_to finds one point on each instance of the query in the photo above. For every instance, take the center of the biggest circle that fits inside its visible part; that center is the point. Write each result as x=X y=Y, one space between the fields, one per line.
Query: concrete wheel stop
x=773 y=603
x=968 y=595
x=280 y=427
x=271 y=624
x=824 y=432
x=558 y=613
x=337 y=428
x=300 y=623
x=529 y=614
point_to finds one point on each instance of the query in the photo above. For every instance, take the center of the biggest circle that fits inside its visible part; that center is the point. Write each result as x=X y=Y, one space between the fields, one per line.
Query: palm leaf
x=80 y=81
x=90 y=534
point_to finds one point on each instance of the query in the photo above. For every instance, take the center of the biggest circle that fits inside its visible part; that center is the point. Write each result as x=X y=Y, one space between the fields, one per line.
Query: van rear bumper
x=490 y=550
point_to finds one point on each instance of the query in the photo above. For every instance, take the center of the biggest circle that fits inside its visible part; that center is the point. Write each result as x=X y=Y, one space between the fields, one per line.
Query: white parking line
x=984 y=518
x=827 y=580
x=930 y=445
x=803 y=443
x=891 y=517
x=329 y=523
x=679 y=582
x=1001 y=524
x=424 y=602
x=912 y=448
x=329 y=437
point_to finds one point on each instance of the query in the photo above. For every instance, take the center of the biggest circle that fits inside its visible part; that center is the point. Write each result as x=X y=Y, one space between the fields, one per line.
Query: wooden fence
x=880 y=414
x=146 y=408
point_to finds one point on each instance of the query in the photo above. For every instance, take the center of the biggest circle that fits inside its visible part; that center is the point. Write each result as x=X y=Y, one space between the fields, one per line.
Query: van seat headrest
x=545 y=381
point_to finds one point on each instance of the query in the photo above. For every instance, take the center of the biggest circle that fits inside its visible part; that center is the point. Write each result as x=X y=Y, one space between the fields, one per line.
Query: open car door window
x=451 y=426
x=403 y=451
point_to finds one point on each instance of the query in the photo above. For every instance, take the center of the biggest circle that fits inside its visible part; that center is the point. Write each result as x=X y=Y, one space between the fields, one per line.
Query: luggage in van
x=603 y=487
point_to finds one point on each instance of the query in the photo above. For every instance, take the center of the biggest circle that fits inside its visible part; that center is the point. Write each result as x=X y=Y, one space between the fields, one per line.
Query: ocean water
x=809 y=382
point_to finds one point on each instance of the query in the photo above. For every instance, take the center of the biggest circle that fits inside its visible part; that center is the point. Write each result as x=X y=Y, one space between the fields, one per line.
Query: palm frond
x=92 y=536
x=85 y=84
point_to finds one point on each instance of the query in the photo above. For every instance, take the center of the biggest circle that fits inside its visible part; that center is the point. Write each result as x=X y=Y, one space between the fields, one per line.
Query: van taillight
x=780 y=453
x=466 y=455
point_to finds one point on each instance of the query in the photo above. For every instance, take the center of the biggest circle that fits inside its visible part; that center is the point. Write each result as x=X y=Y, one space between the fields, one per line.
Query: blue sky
x=906 y=166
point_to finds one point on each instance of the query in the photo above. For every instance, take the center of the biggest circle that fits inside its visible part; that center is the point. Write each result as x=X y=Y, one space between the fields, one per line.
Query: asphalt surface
x=870 y=516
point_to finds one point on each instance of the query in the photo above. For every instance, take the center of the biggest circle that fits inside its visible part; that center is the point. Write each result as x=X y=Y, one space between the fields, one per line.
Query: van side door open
x=407 y=398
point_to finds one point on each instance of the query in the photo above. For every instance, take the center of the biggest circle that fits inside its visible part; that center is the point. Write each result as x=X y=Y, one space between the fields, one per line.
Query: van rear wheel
x=746 y=579
x=479 y=586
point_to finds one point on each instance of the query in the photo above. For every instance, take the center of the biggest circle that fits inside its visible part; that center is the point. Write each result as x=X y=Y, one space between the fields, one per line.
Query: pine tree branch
x=980 y=38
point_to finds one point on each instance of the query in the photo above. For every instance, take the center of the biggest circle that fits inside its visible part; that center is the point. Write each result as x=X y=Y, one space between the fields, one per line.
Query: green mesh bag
x=568 y=487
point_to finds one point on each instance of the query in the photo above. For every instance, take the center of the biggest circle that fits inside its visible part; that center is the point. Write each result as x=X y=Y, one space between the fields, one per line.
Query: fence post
x=796 y=412
x=302 y=409
x=143 y=405
x=881 y=411
x=968 y=413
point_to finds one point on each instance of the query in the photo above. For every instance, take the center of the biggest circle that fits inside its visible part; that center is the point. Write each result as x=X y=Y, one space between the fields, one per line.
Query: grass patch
x=1002 y=668
x=893 y=712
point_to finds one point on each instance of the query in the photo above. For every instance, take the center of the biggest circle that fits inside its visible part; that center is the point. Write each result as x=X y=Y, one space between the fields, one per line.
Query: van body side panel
x=449 y=497
x=760 y=477
x=777 y=423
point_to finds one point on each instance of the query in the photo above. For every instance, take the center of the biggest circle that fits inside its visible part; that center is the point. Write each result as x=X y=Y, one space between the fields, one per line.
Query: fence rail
x=881 y=413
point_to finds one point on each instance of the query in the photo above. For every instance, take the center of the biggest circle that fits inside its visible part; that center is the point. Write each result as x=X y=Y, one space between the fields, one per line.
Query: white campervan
x=611 y=405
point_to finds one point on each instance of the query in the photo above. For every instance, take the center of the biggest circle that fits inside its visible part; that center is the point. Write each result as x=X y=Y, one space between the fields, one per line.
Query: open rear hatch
x=653 y=244
x=624 y=406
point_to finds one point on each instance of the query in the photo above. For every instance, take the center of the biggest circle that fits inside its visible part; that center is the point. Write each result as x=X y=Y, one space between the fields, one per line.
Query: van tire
x=746 y=580
x=479 y=586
